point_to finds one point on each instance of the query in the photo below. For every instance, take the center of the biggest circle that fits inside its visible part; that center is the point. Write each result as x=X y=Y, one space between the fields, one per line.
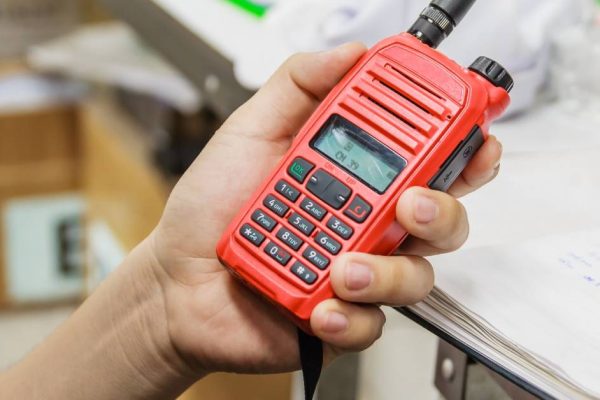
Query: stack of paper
x=532 y=309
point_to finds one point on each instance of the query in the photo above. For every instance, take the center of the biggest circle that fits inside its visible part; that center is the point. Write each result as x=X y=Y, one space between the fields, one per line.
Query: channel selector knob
x=493 y=72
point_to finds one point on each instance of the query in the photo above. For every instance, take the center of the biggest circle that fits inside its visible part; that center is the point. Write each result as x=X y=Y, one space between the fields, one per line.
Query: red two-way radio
x=404 y=116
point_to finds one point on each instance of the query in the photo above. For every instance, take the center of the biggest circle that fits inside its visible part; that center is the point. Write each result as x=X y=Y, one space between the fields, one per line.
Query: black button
x=301 y=224
x=289 y=192
x=252 y=235
x=319 y=182
x=264 y=220
x=316 y=258
x=458 y=161
x=493 y=72
x=313 y=209
x=329 y=189
x=326 y=242
x=300 y=169
x=290 y=239
x=276 y=206
x=277 y=253
x=340 y=228
x=359 y=210
x=304 y=273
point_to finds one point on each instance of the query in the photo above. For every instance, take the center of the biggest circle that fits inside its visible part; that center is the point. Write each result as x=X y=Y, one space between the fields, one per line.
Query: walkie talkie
x=405 y=115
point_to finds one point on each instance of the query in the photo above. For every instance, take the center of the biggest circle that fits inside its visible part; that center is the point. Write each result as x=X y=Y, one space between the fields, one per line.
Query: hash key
x=304 y=273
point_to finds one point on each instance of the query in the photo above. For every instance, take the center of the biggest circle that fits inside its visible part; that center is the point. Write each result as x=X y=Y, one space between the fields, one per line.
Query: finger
x=437 y=222
x=286 y=101
x=481 y=170
x=346 y=326
x=395 y=281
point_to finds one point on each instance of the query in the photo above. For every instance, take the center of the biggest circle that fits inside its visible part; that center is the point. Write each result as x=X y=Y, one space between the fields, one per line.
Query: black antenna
x=439 y=19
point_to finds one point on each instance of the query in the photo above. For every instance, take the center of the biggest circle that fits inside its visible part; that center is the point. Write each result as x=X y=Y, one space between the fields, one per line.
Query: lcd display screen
x=359 y=153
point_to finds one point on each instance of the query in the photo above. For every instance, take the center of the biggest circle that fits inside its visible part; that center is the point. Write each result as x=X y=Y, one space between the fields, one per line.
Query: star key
x=252 y=235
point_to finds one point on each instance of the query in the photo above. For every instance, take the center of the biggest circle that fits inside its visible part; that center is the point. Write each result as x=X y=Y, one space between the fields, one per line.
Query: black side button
x=457 y=162
x=300 y=169
x=359 y=210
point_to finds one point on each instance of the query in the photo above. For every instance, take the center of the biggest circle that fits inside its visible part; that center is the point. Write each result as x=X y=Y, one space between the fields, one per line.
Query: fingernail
x=500 y=151
x=426 y=210
x=358 y=276
x=335 y=322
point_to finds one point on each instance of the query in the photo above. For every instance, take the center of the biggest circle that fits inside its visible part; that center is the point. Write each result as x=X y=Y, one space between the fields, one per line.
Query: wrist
x=116 y=345
x=140 y=323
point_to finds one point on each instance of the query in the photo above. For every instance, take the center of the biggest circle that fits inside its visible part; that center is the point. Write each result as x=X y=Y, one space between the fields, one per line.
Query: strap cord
x=311 y=358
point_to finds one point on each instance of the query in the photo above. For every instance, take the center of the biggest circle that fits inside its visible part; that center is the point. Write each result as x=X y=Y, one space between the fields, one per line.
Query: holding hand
x=172 y=314
x=216 y=323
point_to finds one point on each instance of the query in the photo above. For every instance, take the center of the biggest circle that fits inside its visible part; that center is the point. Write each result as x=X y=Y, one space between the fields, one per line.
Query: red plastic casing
x=442 y=103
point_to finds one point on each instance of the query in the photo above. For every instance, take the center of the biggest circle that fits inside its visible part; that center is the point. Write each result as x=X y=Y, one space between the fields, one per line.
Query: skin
x=171 y=314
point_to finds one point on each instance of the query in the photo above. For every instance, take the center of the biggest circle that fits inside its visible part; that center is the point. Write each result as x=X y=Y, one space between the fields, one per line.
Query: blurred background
x=104 y=104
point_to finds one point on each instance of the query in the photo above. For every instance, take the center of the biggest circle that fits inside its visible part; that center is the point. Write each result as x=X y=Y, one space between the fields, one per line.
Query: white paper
x=543 y=295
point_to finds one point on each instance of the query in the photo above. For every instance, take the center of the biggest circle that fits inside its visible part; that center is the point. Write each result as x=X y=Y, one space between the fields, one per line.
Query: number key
x=287 y=191
x=275 y=205
x=340 y=228
x=290 y=239
x=326 y=242
x=301 y=224
x=313 y=209
x=277 y=253
x=264 y=220
x=316 y=258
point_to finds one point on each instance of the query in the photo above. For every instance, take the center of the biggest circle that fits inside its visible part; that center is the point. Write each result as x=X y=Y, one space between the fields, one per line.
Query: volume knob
x=493 y=72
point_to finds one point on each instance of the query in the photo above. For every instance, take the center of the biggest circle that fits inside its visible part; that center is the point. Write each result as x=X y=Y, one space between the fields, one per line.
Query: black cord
x=311 y=358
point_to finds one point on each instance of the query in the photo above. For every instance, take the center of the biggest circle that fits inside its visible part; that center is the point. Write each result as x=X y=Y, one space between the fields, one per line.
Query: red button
x=359 y=210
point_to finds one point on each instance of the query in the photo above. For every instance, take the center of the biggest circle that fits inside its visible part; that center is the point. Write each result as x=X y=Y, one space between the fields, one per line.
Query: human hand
x=214 y=323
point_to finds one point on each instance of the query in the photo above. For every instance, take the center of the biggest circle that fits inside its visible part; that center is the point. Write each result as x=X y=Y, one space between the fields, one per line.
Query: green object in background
x=250 y=6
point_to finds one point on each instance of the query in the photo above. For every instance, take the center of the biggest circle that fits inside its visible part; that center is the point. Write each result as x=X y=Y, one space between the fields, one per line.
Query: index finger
x=482 y=169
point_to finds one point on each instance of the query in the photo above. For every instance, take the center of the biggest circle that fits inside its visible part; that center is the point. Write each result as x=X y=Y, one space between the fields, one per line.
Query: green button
x=299 y=169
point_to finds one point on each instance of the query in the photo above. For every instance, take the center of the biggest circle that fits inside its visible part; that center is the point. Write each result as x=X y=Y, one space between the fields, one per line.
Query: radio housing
x=414 y=102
